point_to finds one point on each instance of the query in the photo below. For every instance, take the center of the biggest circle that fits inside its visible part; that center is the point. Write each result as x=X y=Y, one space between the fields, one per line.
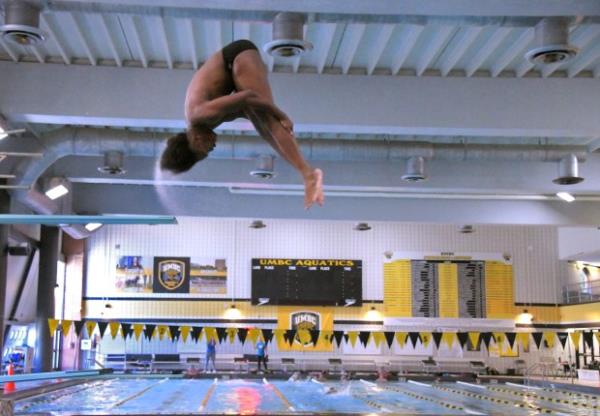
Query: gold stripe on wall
x=397 y=289
x=448 y=290
x=589 y=312
x=148 y=309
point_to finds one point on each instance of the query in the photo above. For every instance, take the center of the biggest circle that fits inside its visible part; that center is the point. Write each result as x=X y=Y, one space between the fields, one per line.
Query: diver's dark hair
x=178 y=157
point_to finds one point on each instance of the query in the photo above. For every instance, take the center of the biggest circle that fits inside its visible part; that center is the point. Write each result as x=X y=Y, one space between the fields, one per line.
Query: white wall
x=534 y=249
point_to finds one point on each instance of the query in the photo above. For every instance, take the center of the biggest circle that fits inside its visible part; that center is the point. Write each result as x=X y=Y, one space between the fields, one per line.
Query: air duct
x=21 y=23
x=415 y=169
x=568 y=171
x=551 y=43
x=288 y=36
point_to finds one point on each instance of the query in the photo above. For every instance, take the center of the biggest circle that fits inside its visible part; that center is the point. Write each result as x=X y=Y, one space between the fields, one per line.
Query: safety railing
x=581 y=292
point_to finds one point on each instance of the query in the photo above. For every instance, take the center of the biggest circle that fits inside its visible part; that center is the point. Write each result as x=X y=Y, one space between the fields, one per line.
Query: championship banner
x=303 y=321
x=171 y=275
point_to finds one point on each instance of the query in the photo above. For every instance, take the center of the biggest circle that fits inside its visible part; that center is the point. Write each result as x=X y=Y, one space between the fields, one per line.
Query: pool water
x=200 y=396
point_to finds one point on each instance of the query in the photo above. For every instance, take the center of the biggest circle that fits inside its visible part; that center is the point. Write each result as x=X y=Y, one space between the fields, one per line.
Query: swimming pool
x=168 y=395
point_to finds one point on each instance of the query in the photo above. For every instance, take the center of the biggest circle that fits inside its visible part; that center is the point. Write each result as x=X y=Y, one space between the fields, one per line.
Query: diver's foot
x=313 y=188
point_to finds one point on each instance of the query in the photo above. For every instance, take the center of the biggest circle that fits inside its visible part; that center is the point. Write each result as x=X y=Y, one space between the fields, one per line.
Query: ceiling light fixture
x=362 y=226
x=93 y=226
x=21 y=23
x=565 y=196
x=288 y=36
x=415 y=169
x=257 y=224
x=551 y=43
x=57 y=191
x=568 y=171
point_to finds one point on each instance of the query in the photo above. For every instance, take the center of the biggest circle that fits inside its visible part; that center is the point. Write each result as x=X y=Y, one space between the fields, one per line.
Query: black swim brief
x=234 y=49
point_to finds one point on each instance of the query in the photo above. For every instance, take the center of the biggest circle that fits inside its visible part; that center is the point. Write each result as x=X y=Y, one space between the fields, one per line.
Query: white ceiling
x=447 y=71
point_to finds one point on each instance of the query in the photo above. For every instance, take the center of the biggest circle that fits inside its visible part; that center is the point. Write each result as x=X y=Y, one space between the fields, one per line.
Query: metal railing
x=581 y=292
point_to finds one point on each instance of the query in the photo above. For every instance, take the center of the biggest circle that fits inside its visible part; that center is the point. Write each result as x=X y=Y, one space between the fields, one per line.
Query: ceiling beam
x=61 y=49
x=487 y=8
x=111 y=42
x=506 y=107
x=438 y=42
x=512 y=52
x=488 y=48
x=353 y=35
x=82 y=40
x=409 y=37
x=457 y=48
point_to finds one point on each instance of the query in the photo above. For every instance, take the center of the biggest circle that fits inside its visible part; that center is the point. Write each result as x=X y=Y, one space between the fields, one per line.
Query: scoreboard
x=307 y=281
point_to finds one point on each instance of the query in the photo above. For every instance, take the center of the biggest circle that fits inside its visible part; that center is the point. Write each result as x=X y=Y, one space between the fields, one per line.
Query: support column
x=49 y=251
x=4 y=208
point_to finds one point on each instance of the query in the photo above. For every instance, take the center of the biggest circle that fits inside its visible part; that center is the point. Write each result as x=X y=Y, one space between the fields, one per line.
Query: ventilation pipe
x=288 y=36
x=96 y=142
x=21 y=23
x=568 y=171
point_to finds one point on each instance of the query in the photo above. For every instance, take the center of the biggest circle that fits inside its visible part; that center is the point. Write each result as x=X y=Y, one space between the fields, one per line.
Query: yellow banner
x=137 y=330
x=114 y=328
x=448 y=338
x=90 y=326
x=65 y=325
x=448 y=290
x=378 y=337
x=499 y=337
x=550 y=338
x=303 y=320
x=352 y=337
x=401 y=338
x=474 y=338
x=208 y=333
x=576 y=338
x=397 y=289
x=253 y=334
x=52 y=325
x=231 y=333
x=499 y=290
x=425 y=338
x=162 y=331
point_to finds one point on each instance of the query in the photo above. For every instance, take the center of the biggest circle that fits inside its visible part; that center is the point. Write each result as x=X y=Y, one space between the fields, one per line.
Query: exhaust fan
x=551 y=42
x=264 y=168
x=21 y=25
x=113 y=163
x=415 y=170
x=288 y=36
x=568 y=171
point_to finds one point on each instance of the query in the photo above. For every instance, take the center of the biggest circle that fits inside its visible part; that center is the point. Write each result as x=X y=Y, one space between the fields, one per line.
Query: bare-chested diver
x=231 y=84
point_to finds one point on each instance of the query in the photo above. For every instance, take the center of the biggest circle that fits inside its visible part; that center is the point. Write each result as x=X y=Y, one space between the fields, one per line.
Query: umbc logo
x=171 y=274
x=305 y=320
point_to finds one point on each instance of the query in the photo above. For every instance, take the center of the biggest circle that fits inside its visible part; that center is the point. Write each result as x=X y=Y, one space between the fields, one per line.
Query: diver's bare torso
x=211 y=81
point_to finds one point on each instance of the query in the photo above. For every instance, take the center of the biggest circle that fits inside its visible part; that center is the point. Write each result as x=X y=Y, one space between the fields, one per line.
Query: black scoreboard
x=307 y=281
